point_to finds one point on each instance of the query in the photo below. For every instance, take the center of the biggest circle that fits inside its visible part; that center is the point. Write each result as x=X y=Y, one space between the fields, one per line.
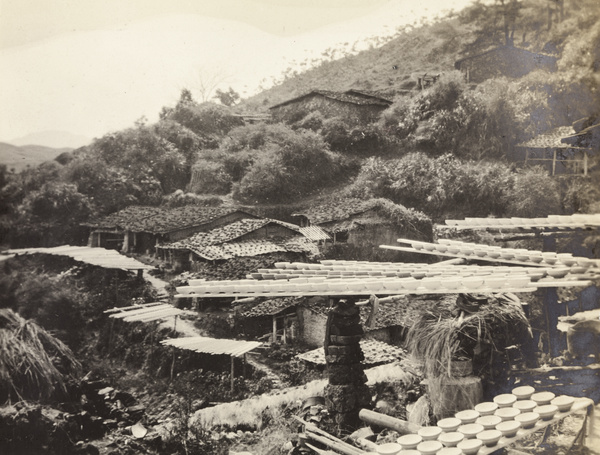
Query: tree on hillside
x=209 y=121
x=227 y=98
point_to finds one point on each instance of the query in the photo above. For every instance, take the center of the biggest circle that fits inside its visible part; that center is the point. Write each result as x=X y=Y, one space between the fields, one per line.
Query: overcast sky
x=94 y=66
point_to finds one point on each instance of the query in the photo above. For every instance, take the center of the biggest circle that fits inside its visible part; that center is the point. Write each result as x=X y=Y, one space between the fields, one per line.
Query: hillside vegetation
x=447 y=150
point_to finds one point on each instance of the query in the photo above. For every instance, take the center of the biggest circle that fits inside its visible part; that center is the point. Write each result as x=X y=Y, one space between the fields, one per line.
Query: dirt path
x=252 y=359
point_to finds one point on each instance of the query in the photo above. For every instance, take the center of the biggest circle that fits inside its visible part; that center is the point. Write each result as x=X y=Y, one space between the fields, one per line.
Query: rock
x=105 y=390
x=110 y=423
x=125 y=398
x=138 y=408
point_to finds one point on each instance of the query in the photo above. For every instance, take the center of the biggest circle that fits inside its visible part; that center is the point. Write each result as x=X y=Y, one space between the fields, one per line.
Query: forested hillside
x=447 y=150
x=546 y=26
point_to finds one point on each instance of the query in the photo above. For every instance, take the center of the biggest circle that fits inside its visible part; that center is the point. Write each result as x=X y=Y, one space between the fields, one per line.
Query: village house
x=571 y=149
x=139 y=229
x=242 y=238
x=508 y=61
x=354 y=106
x=365 y=224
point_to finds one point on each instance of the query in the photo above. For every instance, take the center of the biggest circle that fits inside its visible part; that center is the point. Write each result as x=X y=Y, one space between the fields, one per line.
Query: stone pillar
x=347 y=392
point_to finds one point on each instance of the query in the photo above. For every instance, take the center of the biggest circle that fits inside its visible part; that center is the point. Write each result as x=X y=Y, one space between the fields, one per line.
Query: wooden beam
x=232 y=372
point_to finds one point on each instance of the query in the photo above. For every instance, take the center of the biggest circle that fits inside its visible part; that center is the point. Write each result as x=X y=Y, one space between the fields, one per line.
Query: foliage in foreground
x=33 y=364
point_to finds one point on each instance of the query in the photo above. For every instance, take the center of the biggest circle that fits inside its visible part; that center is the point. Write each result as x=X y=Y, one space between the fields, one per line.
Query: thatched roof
x=550 y=139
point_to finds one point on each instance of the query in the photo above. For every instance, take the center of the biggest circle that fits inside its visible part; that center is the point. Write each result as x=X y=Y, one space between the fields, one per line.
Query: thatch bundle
x=33 y=364
x=446 y=333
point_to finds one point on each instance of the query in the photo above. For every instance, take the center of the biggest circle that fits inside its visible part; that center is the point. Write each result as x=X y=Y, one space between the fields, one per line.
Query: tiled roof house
x=506 y=61
x=141 y=228
x=356 y=107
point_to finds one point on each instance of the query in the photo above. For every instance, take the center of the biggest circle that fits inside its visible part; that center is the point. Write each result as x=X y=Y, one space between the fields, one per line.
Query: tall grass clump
x=33 y=364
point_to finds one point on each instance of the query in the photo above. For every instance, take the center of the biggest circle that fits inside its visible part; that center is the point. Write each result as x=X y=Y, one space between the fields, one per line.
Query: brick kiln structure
x=347 y=391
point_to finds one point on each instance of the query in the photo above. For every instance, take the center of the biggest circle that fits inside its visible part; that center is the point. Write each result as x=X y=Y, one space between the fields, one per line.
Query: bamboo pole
x=344 y=448
x=312 y=429
x=382 y=420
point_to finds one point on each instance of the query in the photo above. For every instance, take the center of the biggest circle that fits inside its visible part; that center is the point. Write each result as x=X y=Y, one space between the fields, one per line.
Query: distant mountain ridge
x=53 y=139
x=18 y=158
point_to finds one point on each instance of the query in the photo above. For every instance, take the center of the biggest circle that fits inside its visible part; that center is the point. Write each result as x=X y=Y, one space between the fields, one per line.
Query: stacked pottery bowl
x=409 y=441
x=490 y=437
x=450 y=424
x=470 y=446
x=528 y=419
x=563 y=403
x=523 y=392
x=451 y=439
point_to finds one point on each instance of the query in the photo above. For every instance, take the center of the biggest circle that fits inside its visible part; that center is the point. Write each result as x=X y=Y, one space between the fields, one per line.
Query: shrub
x=449 y=187
x=209 y=177
x=533 y=194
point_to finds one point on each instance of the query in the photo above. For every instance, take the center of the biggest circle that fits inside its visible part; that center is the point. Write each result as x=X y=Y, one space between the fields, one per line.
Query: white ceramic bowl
x=451 y=439
x=429 y=447
x=490 y=437
x=509 y=428
x=467 y=416
x=523 y=392
x=527 y=419
x=542 y=398
x=449 y=451
x=449 y=424
x=489 y=422
x=563 y=403
x=409 y=441
x=470 y=430
x=470 y=446
x=389 y=448
x=546 y=411
x=486 y=408
x=507 y=413
x=429 y=433
x=504 y=400
x=525 y=405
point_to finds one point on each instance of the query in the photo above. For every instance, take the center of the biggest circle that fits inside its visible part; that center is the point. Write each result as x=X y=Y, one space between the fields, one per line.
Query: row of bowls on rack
x=486 y=424
x=509 y=254
x=452 y=283
x=552 y=220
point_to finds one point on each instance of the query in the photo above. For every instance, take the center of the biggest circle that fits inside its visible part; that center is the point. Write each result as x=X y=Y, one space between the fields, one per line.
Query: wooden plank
x=472 y=257
x=363 y=293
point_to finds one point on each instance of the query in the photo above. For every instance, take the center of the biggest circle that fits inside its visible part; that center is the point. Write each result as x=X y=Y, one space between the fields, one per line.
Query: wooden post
x=585 y=163
x=244 y=372
x=274 y=329
x=232 y=372
x=550 y=302
x=526 y=156
x=172 y=363
x=554 y=162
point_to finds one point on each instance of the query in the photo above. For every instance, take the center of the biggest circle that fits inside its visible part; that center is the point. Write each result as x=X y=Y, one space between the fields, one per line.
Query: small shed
x=355 y=107
x=509 y=61
x=140 y=229
x=279 y=316
x=561 y=151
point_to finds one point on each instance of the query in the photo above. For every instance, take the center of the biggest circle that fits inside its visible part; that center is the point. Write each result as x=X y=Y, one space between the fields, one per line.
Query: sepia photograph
x=299 y=227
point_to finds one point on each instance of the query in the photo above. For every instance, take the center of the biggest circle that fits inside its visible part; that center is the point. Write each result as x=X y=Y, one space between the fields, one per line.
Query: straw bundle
x=444 y=334
x=33 y=364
